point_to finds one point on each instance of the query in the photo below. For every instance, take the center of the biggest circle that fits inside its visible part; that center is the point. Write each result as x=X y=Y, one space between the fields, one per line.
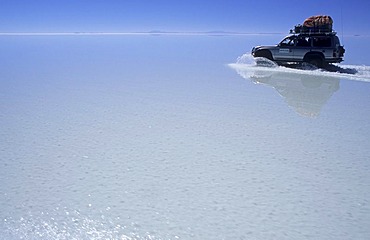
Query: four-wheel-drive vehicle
x=317 y=45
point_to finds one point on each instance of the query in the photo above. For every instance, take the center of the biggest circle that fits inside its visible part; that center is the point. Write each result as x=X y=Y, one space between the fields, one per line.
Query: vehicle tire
x=265 y=54
x=315 y=61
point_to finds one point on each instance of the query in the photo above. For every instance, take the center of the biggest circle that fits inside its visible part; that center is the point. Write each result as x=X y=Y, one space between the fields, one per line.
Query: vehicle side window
x=321 y=41
x=288 y=42
x=303 y=42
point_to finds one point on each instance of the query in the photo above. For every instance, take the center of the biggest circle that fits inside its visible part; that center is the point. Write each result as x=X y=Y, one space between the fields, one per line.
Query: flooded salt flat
x=157 y=137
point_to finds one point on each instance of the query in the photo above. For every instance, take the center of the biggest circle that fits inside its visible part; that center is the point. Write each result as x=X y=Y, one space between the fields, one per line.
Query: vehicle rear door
x=323 y=44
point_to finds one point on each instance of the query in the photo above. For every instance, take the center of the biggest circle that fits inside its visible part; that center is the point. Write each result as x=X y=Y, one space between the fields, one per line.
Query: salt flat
x=157 y=137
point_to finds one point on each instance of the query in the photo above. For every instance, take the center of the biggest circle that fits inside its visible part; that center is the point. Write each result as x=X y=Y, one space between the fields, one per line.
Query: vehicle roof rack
x=322 y=30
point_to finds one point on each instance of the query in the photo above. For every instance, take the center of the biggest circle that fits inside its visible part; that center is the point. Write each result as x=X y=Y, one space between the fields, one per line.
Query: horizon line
x=156 y=33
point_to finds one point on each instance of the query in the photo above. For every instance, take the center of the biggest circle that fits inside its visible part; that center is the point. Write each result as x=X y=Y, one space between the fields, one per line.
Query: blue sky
x=138 y=15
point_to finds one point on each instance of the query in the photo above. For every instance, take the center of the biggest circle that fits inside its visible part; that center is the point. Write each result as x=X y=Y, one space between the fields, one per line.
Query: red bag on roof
x=319 y=21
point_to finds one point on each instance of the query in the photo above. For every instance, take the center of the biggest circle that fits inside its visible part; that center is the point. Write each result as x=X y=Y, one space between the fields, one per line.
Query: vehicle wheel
x=316 y=61
x=265 y=54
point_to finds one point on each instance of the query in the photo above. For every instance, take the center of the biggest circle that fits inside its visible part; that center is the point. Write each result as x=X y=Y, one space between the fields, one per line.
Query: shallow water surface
x=158 y=137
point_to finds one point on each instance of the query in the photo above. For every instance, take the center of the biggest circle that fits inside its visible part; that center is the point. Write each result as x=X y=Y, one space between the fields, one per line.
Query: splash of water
x=260 y=61
x=246 y=64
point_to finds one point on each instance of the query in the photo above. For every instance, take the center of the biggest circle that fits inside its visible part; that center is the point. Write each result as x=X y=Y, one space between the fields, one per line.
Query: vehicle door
x=323 y=44
x=303 y=45
x=285 y=49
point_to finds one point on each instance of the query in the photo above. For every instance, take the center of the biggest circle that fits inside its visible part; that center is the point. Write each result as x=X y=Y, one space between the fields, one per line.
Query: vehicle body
x=318 y=49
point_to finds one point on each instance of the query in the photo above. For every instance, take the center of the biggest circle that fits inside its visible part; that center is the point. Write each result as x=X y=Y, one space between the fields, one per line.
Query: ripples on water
x=67 y=224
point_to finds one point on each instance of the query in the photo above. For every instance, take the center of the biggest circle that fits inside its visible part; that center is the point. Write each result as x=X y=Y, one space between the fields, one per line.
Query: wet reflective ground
x=157 y=137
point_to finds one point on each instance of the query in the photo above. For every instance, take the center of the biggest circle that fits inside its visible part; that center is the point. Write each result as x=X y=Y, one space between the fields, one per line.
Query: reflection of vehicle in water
x=305 y=93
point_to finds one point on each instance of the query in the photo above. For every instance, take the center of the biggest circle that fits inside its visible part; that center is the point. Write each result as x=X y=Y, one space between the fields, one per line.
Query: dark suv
x=318 y=49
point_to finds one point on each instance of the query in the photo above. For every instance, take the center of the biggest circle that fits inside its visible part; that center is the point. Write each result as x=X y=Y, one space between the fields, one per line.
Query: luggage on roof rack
x=315 y=24
x=319 y=21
